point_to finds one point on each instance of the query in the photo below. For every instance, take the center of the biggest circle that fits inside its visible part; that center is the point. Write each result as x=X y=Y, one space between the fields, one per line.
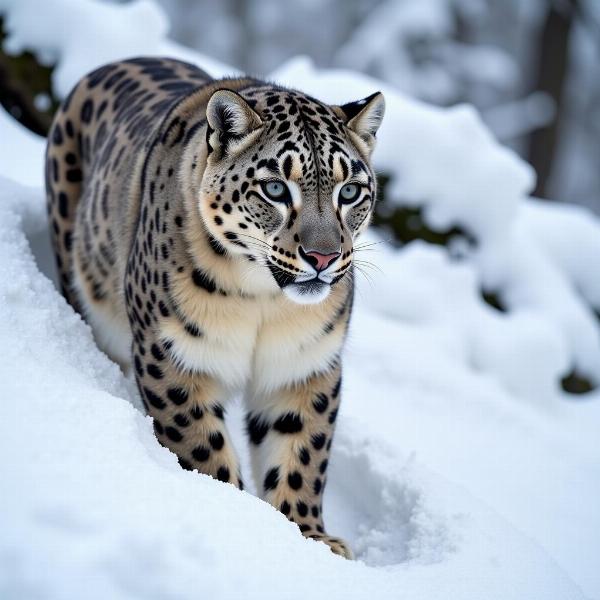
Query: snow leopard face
x=288 y=182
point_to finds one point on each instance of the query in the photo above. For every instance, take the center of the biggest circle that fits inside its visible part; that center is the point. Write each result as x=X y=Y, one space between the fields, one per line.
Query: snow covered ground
x=93 y=507
x=459 y=470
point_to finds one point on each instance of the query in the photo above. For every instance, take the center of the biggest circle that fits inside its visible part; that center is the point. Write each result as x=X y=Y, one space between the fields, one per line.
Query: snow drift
x=96 y=508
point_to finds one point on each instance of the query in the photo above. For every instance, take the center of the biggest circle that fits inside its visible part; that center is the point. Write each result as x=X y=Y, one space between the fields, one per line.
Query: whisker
x=366 y=263
x=356 y=250
x=357 y=288
x=247 y=235
x=367 y=244
x=366 y=275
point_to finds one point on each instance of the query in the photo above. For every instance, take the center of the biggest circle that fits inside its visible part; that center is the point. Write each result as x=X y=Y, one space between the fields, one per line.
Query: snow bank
x=90 y=496
x=21 y=152
x=570 y=235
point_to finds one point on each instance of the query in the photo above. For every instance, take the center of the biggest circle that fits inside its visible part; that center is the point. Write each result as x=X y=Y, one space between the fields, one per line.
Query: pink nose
x=317 y=260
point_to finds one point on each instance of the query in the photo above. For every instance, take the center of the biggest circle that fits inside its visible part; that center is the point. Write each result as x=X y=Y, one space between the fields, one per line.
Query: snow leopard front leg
x=187 y=411
x=290 y=433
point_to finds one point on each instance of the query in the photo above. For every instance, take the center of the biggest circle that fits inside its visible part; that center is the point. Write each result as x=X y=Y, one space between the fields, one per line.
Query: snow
x=107 y=31
x=459 y=468
x=22 y=158
x=92 y=496
x=555 y=226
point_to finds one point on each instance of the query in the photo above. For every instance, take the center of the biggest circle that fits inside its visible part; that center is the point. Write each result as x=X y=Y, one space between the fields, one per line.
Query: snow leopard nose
x=317 y=260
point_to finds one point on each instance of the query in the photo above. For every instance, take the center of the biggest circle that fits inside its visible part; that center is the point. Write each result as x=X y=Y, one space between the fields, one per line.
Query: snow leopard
x=205 y=229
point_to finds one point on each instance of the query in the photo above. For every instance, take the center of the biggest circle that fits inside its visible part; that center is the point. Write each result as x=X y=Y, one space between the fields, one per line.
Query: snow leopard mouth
x=312 y=286
x=307 y=292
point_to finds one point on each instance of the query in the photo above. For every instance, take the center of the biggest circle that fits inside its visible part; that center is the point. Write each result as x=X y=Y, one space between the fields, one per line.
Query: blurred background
x=530 y=66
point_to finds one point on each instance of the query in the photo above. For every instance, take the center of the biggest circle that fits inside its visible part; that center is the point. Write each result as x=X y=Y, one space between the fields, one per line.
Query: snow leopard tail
x=65 y=153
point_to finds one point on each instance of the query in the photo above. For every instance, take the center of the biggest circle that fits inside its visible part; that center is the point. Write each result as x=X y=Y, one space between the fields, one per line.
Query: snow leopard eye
x=275 y=190
x=349 y=193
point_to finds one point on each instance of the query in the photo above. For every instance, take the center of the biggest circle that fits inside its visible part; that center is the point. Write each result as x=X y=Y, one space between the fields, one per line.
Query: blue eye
x=275 y=190
x=349 y=193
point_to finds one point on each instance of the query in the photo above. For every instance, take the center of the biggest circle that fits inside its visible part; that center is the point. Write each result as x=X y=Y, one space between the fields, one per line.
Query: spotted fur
x=191 y=274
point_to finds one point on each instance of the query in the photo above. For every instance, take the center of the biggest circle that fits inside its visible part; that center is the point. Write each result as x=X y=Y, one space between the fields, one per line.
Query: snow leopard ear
x=364 y=117
x=232 y=124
